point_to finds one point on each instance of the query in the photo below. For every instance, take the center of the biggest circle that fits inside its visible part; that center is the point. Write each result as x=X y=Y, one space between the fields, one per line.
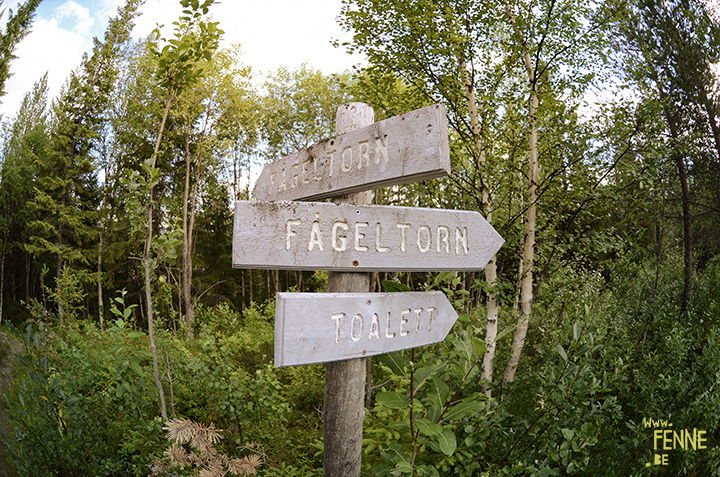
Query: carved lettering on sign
x=352 y=157
x=398 y=150
x=394 y=325
x=325 y=236
x=393 y=241
x=317 y=327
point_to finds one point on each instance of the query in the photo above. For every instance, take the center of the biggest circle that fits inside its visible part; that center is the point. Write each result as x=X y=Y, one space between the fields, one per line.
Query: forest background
x=586 y=132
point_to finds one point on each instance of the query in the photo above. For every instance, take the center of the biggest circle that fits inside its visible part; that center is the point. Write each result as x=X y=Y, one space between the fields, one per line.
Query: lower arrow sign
x=324 y=327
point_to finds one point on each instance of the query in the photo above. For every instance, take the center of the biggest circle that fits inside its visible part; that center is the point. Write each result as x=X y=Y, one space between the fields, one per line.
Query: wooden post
x=345 y=380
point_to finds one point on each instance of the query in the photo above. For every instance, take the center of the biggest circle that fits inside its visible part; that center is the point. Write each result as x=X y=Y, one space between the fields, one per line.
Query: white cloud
x=271 y=33
x=47 y=48
x=73 y=11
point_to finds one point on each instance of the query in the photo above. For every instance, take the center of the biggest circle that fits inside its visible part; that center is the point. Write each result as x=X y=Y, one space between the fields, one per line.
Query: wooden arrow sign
x=345 y=237
x=403 y=149
x=323 y=327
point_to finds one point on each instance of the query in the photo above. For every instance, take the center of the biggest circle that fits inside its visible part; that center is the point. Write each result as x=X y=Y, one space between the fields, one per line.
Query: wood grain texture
x=399 y=150
x=349 y=237
x=324 y=327
x=344 y=396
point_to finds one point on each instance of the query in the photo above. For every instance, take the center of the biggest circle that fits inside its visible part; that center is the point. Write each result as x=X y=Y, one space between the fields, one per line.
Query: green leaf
x=402 y=467
x=562 y=352
x=394 y=287
x=392 y=400
x=441 y=277
x=568 y=434
x=507 y=330
x=399 y=425
x=396 y=362
x=428 y=428
x=423 y=374
x=447 y=442
x=137 y=369
x=464 y=345
x=479 y=346
x=463 y=409
x=576 y=331
x=438 y=392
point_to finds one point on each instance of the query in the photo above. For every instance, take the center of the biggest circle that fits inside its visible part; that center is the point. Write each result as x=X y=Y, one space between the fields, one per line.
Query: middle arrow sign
x=345 y=237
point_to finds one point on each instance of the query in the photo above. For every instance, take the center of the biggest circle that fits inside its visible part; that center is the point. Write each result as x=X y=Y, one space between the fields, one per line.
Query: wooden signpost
x=323 y=327
x=350 y=238
x=346 y=237
x=399 y=150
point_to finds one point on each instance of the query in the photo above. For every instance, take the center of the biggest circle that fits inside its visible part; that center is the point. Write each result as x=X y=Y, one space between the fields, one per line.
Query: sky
x=271 y=34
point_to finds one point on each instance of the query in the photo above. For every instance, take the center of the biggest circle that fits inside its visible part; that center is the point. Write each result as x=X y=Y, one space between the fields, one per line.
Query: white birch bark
x=526 y=286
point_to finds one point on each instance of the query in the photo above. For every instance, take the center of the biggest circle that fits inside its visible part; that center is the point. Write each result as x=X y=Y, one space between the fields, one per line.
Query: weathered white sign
x=403 y=149
x=346 y=237
x=322 y=327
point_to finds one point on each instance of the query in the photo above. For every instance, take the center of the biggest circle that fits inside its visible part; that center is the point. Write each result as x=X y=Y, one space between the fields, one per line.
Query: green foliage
x=194 y=39
x=77 y=410
x=421 y=426
x=299 y=108
x=66 y=197
x=68 y=294
x=16 y=28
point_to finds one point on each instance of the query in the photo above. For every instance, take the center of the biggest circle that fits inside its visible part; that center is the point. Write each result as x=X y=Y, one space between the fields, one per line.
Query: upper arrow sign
x=403 y=149
x=346 y=237
x=322 y=327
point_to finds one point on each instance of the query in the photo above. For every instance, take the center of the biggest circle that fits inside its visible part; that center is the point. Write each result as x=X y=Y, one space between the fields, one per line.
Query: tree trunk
x=679 y=159
x=242 y=290
x=2 y=281
x=344 y=408
x=250 y=282
x=187 y=263
x=486 y=201
x=526 y=287
x=687 y=225
x=148 y=269
x=101 y=305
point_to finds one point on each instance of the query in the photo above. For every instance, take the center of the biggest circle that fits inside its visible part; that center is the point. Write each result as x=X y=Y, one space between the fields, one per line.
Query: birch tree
x=485 y=61
x=178 y=70
x=211 y=116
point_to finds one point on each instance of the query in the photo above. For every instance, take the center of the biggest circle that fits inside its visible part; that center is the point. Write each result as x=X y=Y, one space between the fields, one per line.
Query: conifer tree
x=66 y=187
x=26 y=142
x=17 y=27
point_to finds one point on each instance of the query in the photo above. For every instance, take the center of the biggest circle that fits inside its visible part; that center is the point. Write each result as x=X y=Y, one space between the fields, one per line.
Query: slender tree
x=26 y=142
x=16 y=28
x=66 y=188
x=668 y=49
x=178 y=70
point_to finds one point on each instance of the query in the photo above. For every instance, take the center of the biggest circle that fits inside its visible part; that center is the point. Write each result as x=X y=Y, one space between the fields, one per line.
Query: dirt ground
x=8 y=347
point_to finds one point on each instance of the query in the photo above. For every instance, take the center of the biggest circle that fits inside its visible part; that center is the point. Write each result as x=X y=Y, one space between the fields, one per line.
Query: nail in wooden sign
x=323 y=327
x=346 y=237
x=399 y=150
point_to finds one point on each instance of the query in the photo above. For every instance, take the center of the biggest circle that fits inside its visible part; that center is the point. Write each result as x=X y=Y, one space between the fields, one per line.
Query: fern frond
x=177 y=455
x=199 y=436
x=203 y=456
x=245 y=466
x=214 y=471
